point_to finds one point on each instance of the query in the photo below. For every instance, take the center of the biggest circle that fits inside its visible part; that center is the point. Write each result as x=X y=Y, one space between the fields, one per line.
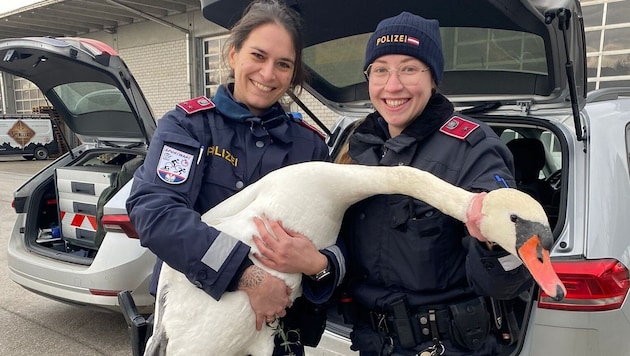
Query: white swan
x=189 y=322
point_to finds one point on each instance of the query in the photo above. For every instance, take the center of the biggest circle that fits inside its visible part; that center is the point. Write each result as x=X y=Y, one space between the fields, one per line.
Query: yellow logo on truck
x=21 y=133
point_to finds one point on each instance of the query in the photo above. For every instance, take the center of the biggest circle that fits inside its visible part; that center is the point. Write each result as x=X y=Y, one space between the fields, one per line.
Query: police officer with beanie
x=418 y=282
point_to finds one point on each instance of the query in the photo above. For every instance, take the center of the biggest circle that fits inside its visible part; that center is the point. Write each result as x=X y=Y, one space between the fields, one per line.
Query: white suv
x=67 y=244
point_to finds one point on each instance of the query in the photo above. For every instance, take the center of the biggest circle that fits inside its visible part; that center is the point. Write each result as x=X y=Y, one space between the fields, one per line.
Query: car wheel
x=40 y=153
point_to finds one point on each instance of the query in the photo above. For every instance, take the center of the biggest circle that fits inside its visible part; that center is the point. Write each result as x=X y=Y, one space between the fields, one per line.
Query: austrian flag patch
x=174 y=165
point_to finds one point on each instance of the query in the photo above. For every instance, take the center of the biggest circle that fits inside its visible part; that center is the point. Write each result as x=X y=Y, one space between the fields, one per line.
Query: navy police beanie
x=410 y=35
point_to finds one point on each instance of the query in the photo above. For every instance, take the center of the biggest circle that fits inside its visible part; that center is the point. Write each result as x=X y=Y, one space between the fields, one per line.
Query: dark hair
x=262 y=12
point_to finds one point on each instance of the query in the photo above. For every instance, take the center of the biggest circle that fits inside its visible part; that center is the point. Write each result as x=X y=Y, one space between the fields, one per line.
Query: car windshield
x=340 y=62
x=87 y=97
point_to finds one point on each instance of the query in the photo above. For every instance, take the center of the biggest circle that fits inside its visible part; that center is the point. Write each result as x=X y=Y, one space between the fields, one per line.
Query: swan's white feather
x=309 y=198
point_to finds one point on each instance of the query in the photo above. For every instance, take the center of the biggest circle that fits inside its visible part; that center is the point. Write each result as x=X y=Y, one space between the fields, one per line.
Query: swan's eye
x=513 y=218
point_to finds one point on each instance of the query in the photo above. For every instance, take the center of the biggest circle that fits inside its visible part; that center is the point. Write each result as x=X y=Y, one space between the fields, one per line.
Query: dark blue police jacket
x=203 y=152
x=397 y=245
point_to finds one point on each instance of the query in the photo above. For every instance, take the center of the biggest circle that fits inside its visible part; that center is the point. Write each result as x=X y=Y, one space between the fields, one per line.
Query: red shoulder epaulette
x=197 y=104
x=458 y=127
x=313 y=128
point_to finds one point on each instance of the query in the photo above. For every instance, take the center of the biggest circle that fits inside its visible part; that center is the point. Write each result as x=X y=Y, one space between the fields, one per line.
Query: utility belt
x=467 y=323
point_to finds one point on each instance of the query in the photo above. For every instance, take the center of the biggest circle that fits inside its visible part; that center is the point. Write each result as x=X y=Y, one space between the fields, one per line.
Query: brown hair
x=343 y=157
x=262 y=12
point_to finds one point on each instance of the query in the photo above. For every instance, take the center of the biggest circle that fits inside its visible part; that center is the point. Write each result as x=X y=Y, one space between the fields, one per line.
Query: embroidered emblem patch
x=174 y=165
x=458 y=127
x=195 y=105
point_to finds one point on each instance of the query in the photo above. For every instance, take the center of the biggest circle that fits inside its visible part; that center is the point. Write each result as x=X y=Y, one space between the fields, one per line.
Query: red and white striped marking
x=87 y=222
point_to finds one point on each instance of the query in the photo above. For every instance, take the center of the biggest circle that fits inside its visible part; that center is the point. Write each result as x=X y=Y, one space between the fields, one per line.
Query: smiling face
x=263 y=67
x=400 y=104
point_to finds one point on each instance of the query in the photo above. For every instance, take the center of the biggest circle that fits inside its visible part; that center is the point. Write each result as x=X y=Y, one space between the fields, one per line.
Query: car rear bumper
x=571 y=333
x=121 y=264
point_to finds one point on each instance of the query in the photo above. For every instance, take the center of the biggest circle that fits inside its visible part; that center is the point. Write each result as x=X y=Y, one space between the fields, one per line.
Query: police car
x=518 y=65
x=66 y=243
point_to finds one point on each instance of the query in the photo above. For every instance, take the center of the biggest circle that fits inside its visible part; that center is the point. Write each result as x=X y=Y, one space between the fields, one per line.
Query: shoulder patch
x=174 y=165
x=458 y=127
x=197 y=104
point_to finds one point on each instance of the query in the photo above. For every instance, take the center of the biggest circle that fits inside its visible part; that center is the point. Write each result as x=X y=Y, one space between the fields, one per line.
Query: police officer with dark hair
x=419 y=284
x=206 y=150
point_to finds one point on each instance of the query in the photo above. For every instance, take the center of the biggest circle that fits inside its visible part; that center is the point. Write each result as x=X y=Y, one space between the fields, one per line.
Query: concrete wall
x=164 y=59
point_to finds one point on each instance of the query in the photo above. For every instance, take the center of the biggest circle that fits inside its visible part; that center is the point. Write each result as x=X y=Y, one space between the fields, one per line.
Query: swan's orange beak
x=537 y=260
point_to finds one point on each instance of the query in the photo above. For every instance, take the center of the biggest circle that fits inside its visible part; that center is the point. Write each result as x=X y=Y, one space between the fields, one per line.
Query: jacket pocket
x=425 y=249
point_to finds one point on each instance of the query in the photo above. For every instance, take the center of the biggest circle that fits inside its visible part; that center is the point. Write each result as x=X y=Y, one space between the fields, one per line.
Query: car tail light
x=592 y=285
x=119 y=223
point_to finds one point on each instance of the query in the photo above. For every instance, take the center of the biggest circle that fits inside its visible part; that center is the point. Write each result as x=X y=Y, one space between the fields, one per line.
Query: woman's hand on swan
x=268 y=295
x=286 y=251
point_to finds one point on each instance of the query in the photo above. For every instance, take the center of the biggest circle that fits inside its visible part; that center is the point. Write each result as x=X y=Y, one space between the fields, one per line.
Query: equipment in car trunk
x=78 y=190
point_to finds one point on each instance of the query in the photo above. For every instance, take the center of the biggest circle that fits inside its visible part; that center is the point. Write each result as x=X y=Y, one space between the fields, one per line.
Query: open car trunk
x=65 y=208
x=101 y=106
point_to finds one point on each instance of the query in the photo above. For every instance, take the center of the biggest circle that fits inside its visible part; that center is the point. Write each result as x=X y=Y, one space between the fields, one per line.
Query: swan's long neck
x=325 y=190
x=370 y=180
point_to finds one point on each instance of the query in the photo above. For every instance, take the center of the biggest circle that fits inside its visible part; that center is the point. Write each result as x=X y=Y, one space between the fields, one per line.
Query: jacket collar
x=272 y=122
x=372 y=134
x=232 y=109
x=435 y=114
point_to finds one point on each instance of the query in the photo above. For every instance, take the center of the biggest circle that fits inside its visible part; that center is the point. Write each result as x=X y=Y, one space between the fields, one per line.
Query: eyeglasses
x=408 y=74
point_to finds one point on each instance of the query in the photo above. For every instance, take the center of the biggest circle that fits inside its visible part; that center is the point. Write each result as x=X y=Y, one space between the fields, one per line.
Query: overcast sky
x=9 y=5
